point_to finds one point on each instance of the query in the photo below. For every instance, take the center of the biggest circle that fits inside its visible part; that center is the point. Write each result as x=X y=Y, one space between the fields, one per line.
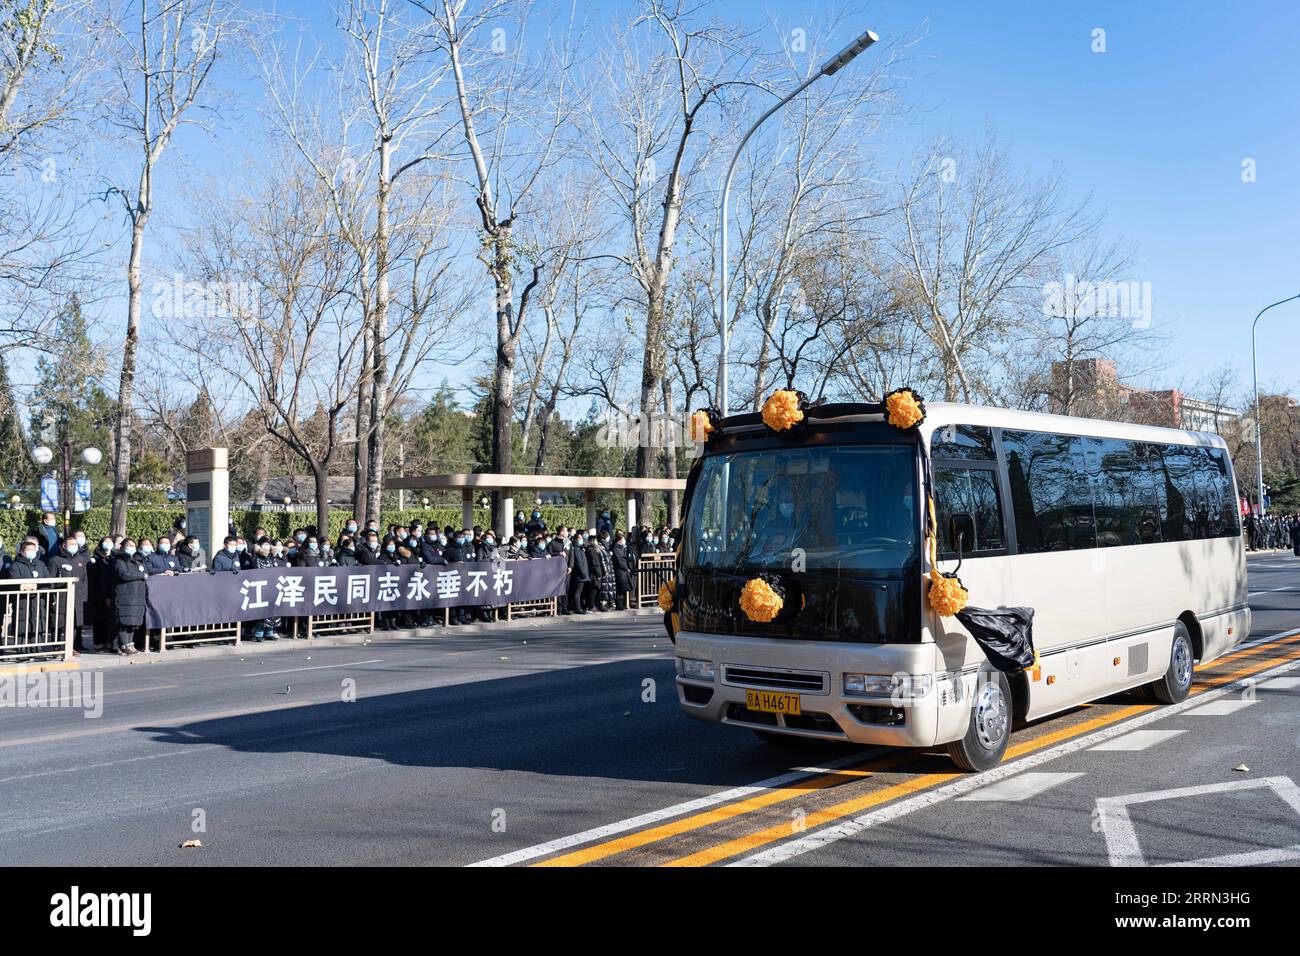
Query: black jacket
x=129 y=594
x=624 y=566
x=579 y=567
x=22 y=570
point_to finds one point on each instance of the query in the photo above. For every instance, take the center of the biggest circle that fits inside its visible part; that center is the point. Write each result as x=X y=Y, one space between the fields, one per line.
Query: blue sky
x=1156 y=129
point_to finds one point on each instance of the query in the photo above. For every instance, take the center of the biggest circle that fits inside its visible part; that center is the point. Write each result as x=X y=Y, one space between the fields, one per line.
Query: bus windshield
x=849 y=508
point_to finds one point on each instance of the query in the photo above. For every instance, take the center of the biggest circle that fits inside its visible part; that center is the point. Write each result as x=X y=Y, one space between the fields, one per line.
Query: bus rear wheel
x=1177 y=681
x=990 y=726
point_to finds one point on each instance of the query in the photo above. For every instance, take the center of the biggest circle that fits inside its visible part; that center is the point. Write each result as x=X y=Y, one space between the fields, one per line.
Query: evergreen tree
x=17 y=470
x=68 y=387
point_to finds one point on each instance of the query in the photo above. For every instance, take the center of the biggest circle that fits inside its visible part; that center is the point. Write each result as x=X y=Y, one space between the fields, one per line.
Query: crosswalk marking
x=1281 y=683
x=1220 y=708
x=1138 y=740
x=1022 y=787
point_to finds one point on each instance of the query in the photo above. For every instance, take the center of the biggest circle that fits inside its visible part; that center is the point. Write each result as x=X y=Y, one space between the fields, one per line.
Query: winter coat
x=159 y=563
x=129 y=589
x=579 y=564
x=226 y=563
x=61 y=564
x=624 y=567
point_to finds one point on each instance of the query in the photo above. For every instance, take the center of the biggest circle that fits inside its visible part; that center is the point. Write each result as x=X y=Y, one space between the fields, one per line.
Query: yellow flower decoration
x=666 y=596
x=781 y=411
x=947 y=596
x=701 y=426
x=759 y=601
x=903 y=408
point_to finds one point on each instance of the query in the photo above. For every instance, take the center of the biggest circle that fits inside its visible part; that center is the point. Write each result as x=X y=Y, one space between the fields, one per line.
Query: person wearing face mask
x=129 y=596
x=246 y=560
x=309 y=555
x=162 y=561
x=579 y=575
x=536 y=525
x=69 y=561
x=345 y=556
x=226 y=561
x=191 y=556
x=268 y=627
x=430 y=550
x=99 y=594
x=456 y=551
x=624 y=561
x=46 y=534
x=390 y=555
x=27 y=627
x=600 y=592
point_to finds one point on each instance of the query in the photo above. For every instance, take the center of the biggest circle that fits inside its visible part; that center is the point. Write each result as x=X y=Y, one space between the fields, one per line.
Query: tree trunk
x=503 y=397
x=379 y=348
x=670 y=434
x=126 y=387
x=320 y=476
x=360 y=449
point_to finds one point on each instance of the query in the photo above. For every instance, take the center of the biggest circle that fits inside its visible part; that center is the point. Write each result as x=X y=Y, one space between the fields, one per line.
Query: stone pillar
x=466 y=508
x=630 y=520
x=591 y=511
x=207 y=497
x=506 y=519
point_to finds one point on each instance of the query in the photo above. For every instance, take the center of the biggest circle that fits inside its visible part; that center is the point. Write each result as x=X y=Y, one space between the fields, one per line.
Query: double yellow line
x=753 y=841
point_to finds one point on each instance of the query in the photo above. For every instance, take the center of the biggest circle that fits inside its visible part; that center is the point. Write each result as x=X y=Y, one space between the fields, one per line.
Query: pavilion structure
x=474 y=484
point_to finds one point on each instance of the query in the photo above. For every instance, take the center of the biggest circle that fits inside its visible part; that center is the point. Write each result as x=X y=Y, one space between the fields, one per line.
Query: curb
x=246 y=648
x=40 y=667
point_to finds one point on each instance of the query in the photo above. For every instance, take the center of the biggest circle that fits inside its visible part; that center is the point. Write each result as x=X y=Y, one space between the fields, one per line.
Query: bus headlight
x=892 y=686
x=695 y=670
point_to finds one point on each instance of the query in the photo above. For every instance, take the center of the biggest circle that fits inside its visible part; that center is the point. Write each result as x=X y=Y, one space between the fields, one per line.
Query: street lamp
x=829 y=68
x=1259 y=440
x=43 y=455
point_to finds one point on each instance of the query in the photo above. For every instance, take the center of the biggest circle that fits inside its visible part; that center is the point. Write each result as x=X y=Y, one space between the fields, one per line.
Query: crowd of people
x=111 y=574
x=1271 y=532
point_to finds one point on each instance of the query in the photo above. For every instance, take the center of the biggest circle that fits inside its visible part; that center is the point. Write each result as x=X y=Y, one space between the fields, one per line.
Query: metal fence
x=36 y=620
x=652 y=572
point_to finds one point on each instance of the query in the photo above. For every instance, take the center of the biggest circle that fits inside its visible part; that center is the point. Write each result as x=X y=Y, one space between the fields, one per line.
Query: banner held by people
x=197 y=599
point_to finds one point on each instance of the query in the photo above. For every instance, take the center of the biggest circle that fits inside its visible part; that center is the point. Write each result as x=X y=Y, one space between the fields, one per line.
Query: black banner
x=210 y=598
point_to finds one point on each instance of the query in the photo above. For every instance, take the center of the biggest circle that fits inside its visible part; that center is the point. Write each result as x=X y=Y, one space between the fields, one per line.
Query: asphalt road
x=563 y=744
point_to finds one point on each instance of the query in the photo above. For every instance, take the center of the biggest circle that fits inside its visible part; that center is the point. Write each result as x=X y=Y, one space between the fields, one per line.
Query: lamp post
x=43 y=455
x=1259 y=425
x=829 y=68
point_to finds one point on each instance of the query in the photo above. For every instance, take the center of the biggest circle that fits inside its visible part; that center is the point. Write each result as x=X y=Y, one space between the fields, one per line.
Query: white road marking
x=1122 y=844
x=1252 y=858
x=1272 y=590
x=1281 y=683
x=317 y=667
x=902 y=808
x=690 y=806
x=1220 y=708
x=1139 y=740
x=1020 y=788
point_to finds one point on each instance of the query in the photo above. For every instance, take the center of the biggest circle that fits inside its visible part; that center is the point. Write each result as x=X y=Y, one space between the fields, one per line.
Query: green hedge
x=152 y=522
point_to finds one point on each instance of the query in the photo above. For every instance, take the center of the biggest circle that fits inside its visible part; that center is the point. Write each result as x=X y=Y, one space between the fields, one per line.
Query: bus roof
x=939 y=414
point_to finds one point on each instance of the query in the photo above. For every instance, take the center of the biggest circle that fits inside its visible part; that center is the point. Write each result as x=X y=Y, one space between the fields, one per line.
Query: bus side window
x=972 y=491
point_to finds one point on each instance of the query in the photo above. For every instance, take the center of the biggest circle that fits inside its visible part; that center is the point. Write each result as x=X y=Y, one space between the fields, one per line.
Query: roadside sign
x=81 y=496
x=49 y=493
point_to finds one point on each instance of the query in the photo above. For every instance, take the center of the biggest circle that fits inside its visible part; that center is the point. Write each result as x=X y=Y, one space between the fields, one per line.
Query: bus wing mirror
x=961 y=531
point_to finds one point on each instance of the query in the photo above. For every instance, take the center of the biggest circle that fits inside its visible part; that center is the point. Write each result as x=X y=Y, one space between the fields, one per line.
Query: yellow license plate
x=772 y=702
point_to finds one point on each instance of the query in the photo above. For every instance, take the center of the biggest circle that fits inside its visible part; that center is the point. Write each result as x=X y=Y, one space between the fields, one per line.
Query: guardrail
x=36 y=620
x=652 y=571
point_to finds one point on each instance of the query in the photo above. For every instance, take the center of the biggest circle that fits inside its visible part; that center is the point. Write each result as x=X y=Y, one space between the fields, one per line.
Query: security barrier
x=36 y=620
x=325 y=625
x=197 y=634
x=652 y=572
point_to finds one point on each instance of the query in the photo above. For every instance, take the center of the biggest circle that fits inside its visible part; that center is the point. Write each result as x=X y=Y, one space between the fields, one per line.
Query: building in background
x=1092 y=387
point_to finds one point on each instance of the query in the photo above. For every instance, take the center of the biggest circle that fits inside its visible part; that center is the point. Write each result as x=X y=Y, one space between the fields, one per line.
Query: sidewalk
x=97 y=660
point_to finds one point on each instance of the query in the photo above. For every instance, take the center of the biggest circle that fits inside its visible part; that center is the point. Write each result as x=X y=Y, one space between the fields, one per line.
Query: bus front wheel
x=1177 y=681
x=990 y=726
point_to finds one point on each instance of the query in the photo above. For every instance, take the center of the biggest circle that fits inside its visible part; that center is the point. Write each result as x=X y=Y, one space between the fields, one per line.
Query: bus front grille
x=808 y=682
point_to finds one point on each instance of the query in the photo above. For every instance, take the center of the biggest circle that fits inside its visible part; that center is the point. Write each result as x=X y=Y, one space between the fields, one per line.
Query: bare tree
x=512 y=113
x=974 y=240
x=166 y=55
